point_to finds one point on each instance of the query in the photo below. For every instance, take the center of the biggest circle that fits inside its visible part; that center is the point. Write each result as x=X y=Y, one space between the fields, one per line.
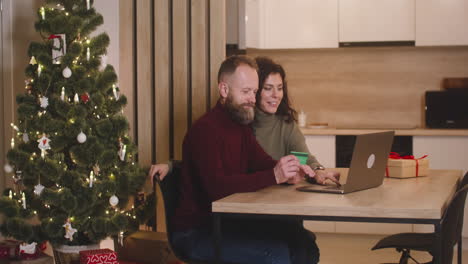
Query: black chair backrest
x=452 y=223
x=170 y=189
x=463 y=182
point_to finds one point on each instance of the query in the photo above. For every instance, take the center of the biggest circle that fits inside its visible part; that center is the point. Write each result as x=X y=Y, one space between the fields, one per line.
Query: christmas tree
x=72 y=161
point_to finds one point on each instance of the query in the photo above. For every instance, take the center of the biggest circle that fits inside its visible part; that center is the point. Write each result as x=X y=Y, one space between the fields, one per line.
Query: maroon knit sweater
x=220 y=157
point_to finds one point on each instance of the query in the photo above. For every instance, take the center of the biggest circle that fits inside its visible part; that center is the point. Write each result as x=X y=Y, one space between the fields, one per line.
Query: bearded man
x=221 y=157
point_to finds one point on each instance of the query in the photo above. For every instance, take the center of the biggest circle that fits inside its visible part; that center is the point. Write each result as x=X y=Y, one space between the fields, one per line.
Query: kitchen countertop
x=398 y=132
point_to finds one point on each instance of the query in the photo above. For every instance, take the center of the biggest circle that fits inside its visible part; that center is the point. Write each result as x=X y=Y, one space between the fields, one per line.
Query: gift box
x=41 y=258
x=407 y=166
x=98 y=256
x=146 y=247
x=9 y=249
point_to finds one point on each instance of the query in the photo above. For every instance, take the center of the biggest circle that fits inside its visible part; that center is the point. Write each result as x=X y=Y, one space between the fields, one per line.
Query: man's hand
x=162 y=169
x=287 y=169
x=322 y=175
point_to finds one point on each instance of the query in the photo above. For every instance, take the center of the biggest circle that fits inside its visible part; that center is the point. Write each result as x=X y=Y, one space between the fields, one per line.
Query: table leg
x=217 y=237
x=438 y=244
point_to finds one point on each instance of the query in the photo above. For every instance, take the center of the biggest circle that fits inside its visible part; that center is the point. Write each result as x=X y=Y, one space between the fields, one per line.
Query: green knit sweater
x=278 y=138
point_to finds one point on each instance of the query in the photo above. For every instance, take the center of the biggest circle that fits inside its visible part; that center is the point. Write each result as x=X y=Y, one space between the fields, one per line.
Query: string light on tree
x=12 y=144
x=116 y=93
x=91 y=179
x=39 y=70
x=42 y=11
x=62 y=94
x=10 y=194
x=23 y=200
x=88 y=4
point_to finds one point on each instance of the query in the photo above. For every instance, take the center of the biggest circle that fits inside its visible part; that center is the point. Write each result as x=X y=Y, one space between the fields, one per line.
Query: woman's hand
x=321 y=176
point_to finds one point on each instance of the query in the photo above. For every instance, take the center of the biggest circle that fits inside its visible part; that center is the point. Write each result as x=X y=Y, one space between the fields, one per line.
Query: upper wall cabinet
x=441 y=22
x=376 y=20
x=280 y=24
x=289 y=24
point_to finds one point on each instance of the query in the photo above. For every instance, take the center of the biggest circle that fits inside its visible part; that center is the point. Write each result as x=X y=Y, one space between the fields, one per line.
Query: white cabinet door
x=376 y=20
x=441 y=22
x=279 y=24
x=443 y=153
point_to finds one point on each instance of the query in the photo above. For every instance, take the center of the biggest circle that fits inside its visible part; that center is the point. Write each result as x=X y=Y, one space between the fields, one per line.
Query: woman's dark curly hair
x=267 y=66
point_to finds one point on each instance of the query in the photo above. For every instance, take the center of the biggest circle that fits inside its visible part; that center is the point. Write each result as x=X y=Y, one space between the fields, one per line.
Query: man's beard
x=239 y=113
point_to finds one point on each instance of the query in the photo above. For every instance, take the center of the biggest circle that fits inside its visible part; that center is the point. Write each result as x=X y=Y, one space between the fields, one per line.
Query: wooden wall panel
x=217 y=44
x=162 y=74
x=144 y=79
x=126 y=61
x=168 y=76
x=200 y=70
x=180 y=41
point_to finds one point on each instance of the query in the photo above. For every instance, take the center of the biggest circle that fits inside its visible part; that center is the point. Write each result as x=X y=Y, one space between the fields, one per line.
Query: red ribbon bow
x=394 y=155
x=52 y=36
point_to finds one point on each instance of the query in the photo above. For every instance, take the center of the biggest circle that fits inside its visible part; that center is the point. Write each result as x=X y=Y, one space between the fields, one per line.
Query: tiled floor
x=355 y=249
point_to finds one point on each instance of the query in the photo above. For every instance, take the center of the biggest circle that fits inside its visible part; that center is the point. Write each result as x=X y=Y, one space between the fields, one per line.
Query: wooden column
x=144 y=83
x=170 y=55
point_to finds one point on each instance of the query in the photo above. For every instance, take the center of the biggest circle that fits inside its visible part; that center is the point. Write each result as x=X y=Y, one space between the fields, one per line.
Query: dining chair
x=169 y=187
x=451 y=226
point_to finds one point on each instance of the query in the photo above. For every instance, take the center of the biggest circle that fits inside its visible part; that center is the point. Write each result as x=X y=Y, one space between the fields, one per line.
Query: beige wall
x=18 y=31
x=367 y=87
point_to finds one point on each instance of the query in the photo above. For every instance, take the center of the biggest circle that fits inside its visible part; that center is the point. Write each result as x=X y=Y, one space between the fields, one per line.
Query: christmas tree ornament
x=59 y=47
x=44 y=142
x=17 y=177
x=67 y=73
x=44 y=102
x=96 y=169
x=62 y=94
x=84 y=97
x=38 y=189
x=23 y=200
x=69 y=230
x=122 y=151
x=81 y=137
x=25 y=137
x=113 y=200
x=91 y=179
x=7 y=168
x=33 y=61
x=76 y=99
x=42 y=11
x=116 y=93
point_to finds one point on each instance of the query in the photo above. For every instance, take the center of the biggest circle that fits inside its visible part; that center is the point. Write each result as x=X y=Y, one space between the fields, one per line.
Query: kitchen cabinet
x=376 y=20
x=441 y=23
x=279 y=24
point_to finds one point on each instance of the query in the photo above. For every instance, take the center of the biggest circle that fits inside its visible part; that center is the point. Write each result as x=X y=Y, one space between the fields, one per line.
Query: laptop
x=367 y=169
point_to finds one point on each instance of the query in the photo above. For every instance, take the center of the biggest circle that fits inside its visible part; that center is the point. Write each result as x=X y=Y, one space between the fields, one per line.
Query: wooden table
x=419 y=200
